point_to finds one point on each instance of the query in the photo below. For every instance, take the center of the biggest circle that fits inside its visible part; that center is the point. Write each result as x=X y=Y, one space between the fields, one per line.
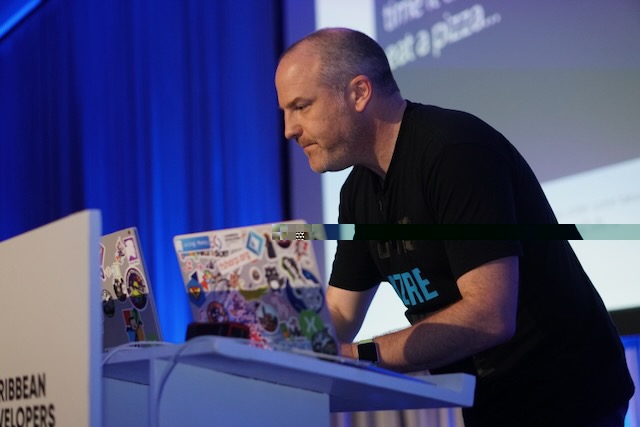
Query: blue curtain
x=160 y=113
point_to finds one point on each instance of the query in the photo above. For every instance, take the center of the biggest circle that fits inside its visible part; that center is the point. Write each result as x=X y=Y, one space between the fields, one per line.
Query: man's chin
x=326 y=168
x=317 y=168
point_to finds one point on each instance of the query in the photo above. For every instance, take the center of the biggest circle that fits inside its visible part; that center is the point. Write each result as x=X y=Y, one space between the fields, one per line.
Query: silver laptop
x=263 y=276
x=129 y=311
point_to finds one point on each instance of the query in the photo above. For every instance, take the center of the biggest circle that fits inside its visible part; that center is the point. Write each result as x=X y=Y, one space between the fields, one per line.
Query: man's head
x=328 y=86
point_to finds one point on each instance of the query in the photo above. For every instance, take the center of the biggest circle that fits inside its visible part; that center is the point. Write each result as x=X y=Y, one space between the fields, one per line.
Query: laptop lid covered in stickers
x=129 y=310
x=264 y=276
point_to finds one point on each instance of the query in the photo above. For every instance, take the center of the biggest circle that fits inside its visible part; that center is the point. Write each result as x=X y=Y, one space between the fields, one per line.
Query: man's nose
x=292 y=130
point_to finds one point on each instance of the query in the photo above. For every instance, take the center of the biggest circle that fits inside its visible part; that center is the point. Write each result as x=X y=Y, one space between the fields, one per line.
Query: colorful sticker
x=305 y=297
x=251 y=290
x=137 y=288
x=131 y=252
x=268 y=318
x=195 y=290
x=255 y=243
x=216 y=313
x=120 y=252
x=281 y=304
x=310 y=323
x=309 y=276
x=193 y=244
x=133 y=325
x=241 y=310
x=235 y=261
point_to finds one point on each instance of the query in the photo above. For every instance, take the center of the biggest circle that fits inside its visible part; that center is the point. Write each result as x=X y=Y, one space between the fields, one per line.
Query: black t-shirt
x=449 y=167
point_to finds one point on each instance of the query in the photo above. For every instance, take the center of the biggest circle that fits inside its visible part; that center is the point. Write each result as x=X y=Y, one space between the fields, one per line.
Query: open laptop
x=129 y=311
x=263 y=276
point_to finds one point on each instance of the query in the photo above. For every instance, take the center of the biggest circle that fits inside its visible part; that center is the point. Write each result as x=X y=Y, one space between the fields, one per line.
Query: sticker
x=133 y=325
x=255 y=243
x=232 y=239
x=310 y=323
x=130 y=250
x=119 y=287
x=309 y=276
x=235 y=261
x=268 y=318
x=271 y=250
x=255 y=275
x=305 y=297
x=255 y=335
x=195 y=291
x=284 y=243
x=241 y=310
x=235 y=281
x=216 y=312
x=301 y=248
x=137 y=288
x=276 y=283
x=323 y=342
x=281 y=304
x=251 y=290
x=193 y=244
x=293 y=327
x=102 y=251
x=291 y=267
x=108 y=304
x=120 y=251
x=208 y=280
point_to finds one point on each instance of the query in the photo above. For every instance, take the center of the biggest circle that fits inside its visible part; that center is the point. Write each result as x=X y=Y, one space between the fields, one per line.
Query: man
x=520 y=315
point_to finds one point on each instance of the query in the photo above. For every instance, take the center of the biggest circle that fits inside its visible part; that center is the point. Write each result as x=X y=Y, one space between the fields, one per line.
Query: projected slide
x=561 y=80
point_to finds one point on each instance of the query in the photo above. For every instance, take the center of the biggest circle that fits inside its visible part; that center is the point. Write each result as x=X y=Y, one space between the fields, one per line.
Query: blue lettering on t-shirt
x=411 y=287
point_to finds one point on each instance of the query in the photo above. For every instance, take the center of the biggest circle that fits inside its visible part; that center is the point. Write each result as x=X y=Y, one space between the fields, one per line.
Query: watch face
x=368 y=351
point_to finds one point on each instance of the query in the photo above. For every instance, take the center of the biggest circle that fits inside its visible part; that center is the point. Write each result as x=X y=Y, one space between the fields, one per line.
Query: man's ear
x=361 y=92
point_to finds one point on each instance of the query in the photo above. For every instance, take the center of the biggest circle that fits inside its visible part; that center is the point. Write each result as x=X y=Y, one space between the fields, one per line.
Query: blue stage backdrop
x=160 y=113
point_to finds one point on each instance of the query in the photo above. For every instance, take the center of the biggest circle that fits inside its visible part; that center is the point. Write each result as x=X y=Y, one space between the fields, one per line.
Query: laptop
x=263 y=276
x=129 y=311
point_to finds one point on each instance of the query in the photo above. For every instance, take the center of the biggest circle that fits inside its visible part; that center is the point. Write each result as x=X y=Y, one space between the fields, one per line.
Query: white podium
x=216 y=381
x=50 y=324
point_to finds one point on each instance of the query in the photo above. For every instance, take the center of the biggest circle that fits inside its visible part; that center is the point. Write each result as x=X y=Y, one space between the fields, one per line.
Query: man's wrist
x=367 y=350
x=349 y=350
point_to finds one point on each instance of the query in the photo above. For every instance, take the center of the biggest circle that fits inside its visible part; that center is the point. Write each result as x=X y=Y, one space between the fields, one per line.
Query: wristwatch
x=368 y=351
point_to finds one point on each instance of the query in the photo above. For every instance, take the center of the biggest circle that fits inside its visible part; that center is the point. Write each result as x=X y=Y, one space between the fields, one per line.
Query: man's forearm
x=443 y=338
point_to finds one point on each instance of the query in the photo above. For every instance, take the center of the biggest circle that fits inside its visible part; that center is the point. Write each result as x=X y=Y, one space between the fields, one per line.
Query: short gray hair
x=346 y=53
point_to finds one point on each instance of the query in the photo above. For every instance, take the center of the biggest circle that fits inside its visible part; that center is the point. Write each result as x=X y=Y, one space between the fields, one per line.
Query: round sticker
x=268 y=317
x=137 y=288
x=216 y=312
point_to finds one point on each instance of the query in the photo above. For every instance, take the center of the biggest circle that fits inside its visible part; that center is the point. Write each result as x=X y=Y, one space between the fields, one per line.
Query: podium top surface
x=350 y=388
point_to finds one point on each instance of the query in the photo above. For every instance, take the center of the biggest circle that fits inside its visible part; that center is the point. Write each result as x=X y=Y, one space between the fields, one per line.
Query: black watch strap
x=368 y=350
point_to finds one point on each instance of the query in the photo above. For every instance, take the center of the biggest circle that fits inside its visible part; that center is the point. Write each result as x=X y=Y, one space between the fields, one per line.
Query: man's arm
x=348 y=309
x=484 y=318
